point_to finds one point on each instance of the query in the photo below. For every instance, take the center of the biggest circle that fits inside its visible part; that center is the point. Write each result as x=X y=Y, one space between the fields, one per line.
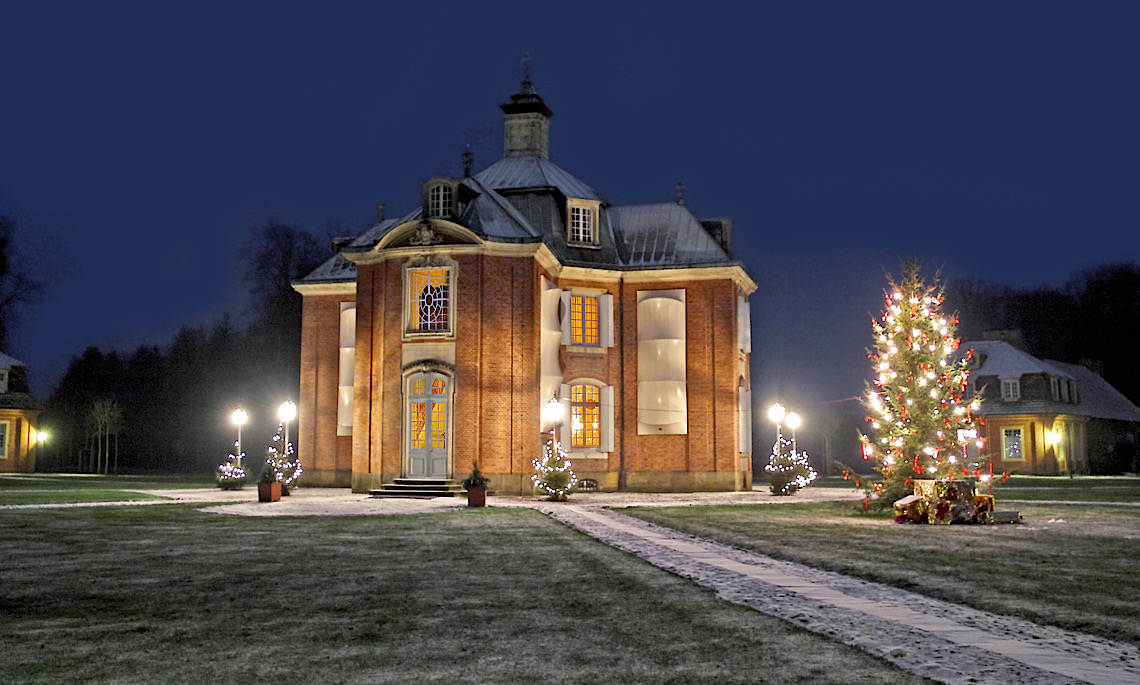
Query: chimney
x=1012 y=336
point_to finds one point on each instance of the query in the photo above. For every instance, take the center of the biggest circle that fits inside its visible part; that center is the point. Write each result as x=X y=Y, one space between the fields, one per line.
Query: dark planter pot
x=269 y=492
x=476 y=496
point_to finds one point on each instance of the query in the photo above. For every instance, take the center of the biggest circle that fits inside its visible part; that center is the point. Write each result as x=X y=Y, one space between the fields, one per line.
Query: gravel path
x=943 y=641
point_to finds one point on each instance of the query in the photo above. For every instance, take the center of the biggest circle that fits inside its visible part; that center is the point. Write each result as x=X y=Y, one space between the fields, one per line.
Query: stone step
x=422 y=488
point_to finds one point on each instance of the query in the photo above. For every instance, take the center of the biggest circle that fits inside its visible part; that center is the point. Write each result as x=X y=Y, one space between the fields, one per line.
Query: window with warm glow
x=3 y=439
x=583 y=230
x=585 y=416
x=439 y=201
x=1011 y=449
x=1010 y=389
x=584 y=320
x=429 y=300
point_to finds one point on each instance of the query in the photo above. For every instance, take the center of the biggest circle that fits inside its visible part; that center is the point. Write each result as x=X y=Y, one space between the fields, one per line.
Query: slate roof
x=664 y=234
x=1096 y=399
x=526 y=171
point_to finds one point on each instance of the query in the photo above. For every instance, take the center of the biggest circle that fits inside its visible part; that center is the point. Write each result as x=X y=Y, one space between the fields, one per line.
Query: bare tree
x=16 y=285
x=107 y=419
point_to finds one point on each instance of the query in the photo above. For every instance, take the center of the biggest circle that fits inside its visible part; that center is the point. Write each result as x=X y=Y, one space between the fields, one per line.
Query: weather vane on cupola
x=526 y=60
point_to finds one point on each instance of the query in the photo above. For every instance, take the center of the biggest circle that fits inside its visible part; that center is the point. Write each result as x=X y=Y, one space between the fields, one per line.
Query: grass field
x=169 y=594
x=55 y=488
x=1071 y=566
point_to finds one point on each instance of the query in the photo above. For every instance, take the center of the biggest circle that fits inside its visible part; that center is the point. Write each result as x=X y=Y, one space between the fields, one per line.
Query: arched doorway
x=427 y=423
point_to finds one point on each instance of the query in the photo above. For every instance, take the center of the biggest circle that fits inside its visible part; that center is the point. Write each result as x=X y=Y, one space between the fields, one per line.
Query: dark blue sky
x=137 y=142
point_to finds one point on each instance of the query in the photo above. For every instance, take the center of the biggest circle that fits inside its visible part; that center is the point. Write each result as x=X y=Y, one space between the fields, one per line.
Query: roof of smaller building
x=1095 y=397
x=1098 y=399
x=666 y=233
x=1006 y=361
x=7 y=362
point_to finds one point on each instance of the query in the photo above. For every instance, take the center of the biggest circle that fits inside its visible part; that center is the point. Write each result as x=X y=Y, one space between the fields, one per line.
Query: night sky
x=997 y=140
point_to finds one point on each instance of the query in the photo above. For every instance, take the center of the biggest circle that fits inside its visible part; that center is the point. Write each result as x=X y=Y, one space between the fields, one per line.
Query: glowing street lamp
x=239 y=417
x=552 y=413
x=776 y=414
x=793 y=421
x=287 y=413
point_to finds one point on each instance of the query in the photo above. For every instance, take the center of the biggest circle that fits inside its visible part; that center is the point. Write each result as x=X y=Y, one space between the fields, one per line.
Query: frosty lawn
x=1070 y=566
x=169 y=594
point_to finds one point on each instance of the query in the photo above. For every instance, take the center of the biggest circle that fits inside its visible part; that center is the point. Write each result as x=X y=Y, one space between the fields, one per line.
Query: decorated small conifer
x=283 y=462
x=788 y=470
x=553 y=473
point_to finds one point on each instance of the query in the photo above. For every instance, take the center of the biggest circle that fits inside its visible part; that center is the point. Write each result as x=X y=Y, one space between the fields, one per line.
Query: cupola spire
x=526 y=120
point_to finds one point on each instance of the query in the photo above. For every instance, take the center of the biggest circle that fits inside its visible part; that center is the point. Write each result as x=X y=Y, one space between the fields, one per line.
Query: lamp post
x=286 y=413
x=776 y=413
x=793 y=421
x=552 y=413
x=238 y=417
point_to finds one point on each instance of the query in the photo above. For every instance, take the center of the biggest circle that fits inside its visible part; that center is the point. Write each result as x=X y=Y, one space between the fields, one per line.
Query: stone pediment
x=428 y=233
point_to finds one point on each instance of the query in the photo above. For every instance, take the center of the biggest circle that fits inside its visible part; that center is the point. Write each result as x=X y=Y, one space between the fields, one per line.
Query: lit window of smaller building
x=1011 y=444
x=3 y=439
x=1010 y=389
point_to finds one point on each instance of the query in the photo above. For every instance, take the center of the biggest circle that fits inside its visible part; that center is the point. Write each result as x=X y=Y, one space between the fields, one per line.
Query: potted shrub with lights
x=476 y=487
x=268 y=487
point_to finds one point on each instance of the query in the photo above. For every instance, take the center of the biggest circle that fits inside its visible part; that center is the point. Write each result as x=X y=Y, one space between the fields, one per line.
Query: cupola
x=526 y=123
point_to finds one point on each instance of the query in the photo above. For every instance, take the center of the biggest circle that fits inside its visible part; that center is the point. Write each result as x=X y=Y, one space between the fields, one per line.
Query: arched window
x=428 y=300
x=585 y=416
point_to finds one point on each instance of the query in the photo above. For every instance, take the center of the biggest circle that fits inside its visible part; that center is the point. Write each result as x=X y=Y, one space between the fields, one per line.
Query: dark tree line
x=174 y=403
x=17 y=285
x=1092 y=319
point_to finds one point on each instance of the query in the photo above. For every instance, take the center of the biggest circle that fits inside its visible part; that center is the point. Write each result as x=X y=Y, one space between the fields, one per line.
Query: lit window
x=1011 y=444
x=585 y=416
x=582 y=226
x=1010 y=389
x=3 y=439
x=439 y=201
x=429 y=301
x=584 y=320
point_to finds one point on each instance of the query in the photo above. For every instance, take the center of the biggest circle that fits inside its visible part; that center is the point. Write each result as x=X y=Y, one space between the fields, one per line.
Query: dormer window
x=3 y=381
x=439 y=198
x=1054 y=389
x=1010 y=389
x=582 y=222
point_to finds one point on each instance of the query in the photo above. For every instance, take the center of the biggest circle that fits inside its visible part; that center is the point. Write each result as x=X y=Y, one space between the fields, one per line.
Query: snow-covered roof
x=7 y=362
x=1098 y=399
x=999 y=358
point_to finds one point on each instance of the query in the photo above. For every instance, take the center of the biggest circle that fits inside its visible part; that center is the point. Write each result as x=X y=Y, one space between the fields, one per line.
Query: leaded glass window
x=428 y=300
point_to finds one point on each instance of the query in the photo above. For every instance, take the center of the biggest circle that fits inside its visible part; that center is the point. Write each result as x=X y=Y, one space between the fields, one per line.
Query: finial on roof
x=381 y=210
x=526 y=80
x=468 y=158
x=680 y=193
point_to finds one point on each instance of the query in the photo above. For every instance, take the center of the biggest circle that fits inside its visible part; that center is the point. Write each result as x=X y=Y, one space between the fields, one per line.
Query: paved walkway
x=940 y=640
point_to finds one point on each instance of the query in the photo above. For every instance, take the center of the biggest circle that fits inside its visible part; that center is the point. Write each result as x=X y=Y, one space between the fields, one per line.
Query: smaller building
x=1046 y=417
x=19 y=417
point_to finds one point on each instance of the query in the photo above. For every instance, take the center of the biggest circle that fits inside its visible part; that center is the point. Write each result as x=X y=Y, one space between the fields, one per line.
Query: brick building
x=19 y=416
x=434 y=340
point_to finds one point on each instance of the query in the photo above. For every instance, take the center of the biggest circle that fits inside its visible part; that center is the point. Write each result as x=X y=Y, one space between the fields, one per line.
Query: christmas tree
x=283 y=462
x=554 y=475
x=915 y=408
x=788 y=470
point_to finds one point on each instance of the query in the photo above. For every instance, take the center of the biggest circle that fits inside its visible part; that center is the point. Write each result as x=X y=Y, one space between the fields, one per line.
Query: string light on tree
x=788 y=469
x=554 y=475
x=231 y=475
x=915 y=407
